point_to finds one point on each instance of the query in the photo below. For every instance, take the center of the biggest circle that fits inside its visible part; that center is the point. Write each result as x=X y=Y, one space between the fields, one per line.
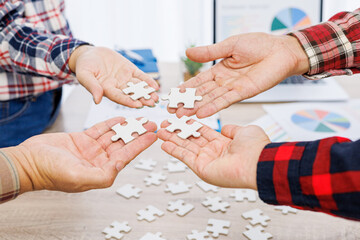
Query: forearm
x=320 y=176
x=9 y=178
x=28 y=49
x=332 y=47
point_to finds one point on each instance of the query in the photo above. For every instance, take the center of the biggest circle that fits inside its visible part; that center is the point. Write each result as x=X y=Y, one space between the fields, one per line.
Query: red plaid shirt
x=322 y=175
x=35 y=46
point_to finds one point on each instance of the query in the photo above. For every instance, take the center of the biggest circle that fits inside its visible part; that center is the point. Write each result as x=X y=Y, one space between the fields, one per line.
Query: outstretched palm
x=226 y=159
x=81 y=161
x=105 y=72
x=252 y=63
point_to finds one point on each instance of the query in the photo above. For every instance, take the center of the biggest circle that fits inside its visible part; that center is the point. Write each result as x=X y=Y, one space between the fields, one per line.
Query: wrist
x=20 y=160
x=75 y=55
x=302 y=64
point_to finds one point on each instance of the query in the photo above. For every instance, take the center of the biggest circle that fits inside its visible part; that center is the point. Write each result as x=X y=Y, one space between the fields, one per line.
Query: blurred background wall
x=166 y=26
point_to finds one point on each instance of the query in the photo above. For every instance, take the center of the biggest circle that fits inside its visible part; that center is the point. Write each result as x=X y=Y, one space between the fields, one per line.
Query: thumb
x=90 y=82
x=230 y=130
x=211 y=52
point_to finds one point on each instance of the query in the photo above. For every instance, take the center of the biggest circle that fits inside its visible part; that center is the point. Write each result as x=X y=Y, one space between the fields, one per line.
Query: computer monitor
x=232 y=17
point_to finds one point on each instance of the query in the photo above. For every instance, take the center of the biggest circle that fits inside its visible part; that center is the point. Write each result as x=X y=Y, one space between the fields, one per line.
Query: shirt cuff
x=9 y=179
x=278 y=174
x=329 y=50
x=61 y=52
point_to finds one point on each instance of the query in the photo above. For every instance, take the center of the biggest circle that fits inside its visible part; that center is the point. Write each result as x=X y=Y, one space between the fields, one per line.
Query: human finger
x=91 y=83
x=212 y=52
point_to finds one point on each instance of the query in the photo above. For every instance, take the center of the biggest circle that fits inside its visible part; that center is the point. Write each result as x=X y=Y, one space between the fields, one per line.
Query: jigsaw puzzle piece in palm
x=187 y=98
x=186 y=130
x=125 y=132
x=138 y=90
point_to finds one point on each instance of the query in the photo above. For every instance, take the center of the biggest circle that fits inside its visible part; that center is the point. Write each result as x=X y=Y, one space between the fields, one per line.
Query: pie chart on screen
x=315 y=120
x=289 y=19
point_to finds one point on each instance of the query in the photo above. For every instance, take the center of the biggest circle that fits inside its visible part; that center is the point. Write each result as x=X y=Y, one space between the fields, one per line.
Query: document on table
x=312 y=121
x=274 y=131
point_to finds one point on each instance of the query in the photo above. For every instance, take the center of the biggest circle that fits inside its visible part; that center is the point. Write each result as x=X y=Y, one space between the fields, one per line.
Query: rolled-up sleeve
x=9 y=179
x=333 y=47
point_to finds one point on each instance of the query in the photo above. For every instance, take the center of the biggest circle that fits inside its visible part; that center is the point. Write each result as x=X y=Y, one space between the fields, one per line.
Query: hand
x=226 y=159
x=76 y=162
x=104 y=72
x=252 y=63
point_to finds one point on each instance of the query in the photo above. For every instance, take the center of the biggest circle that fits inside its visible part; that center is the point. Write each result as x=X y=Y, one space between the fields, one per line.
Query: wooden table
x=56 y=215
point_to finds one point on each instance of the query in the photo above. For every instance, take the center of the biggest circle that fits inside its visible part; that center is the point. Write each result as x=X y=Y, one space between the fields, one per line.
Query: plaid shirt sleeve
x=333 y=47
x=27 y=48
x=9 y=179
x=321 y=176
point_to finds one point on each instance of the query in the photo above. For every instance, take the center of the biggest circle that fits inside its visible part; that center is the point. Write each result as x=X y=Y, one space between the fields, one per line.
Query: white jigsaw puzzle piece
x=215 y=204
x=125 y=132
x=115 y=229
x=155 y=179
x=257 y=217
x=196 y=235
x=256 y=233
x=177 y=188
x=217 y=227
x=207 y=187
x=146 y=164
x=181 y=207
x=149 y=213
x=151 y=236
x=139 y=90
x=241 y=194
x=128 y=191
x=286 y=209
x=187 y=130
x=187 y=98
x=175 y=167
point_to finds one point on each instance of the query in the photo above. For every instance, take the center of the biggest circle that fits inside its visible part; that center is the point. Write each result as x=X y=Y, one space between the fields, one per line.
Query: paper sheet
x=312 y=121
x=274 y=131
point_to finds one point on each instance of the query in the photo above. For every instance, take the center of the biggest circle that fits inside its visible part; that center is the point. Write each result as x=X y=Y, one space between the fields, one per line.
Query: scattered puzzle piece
x=154 y=179
x=150 y=236
x=176 y=188
x=215 y=204
x=217 y=227
x=188 y=97
x=207 y=187
x=256 y=233
x=187 y=130
x=195 y=235
x=125 y=132
x=128 y=191
x=115 y=229
x=174 y=167
x=181 y=207
x=286 y=209
x=149 y=213
x=241 y=194
x=146 y=164
x=257 y=216
x=138 y=90
x=172 y=159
